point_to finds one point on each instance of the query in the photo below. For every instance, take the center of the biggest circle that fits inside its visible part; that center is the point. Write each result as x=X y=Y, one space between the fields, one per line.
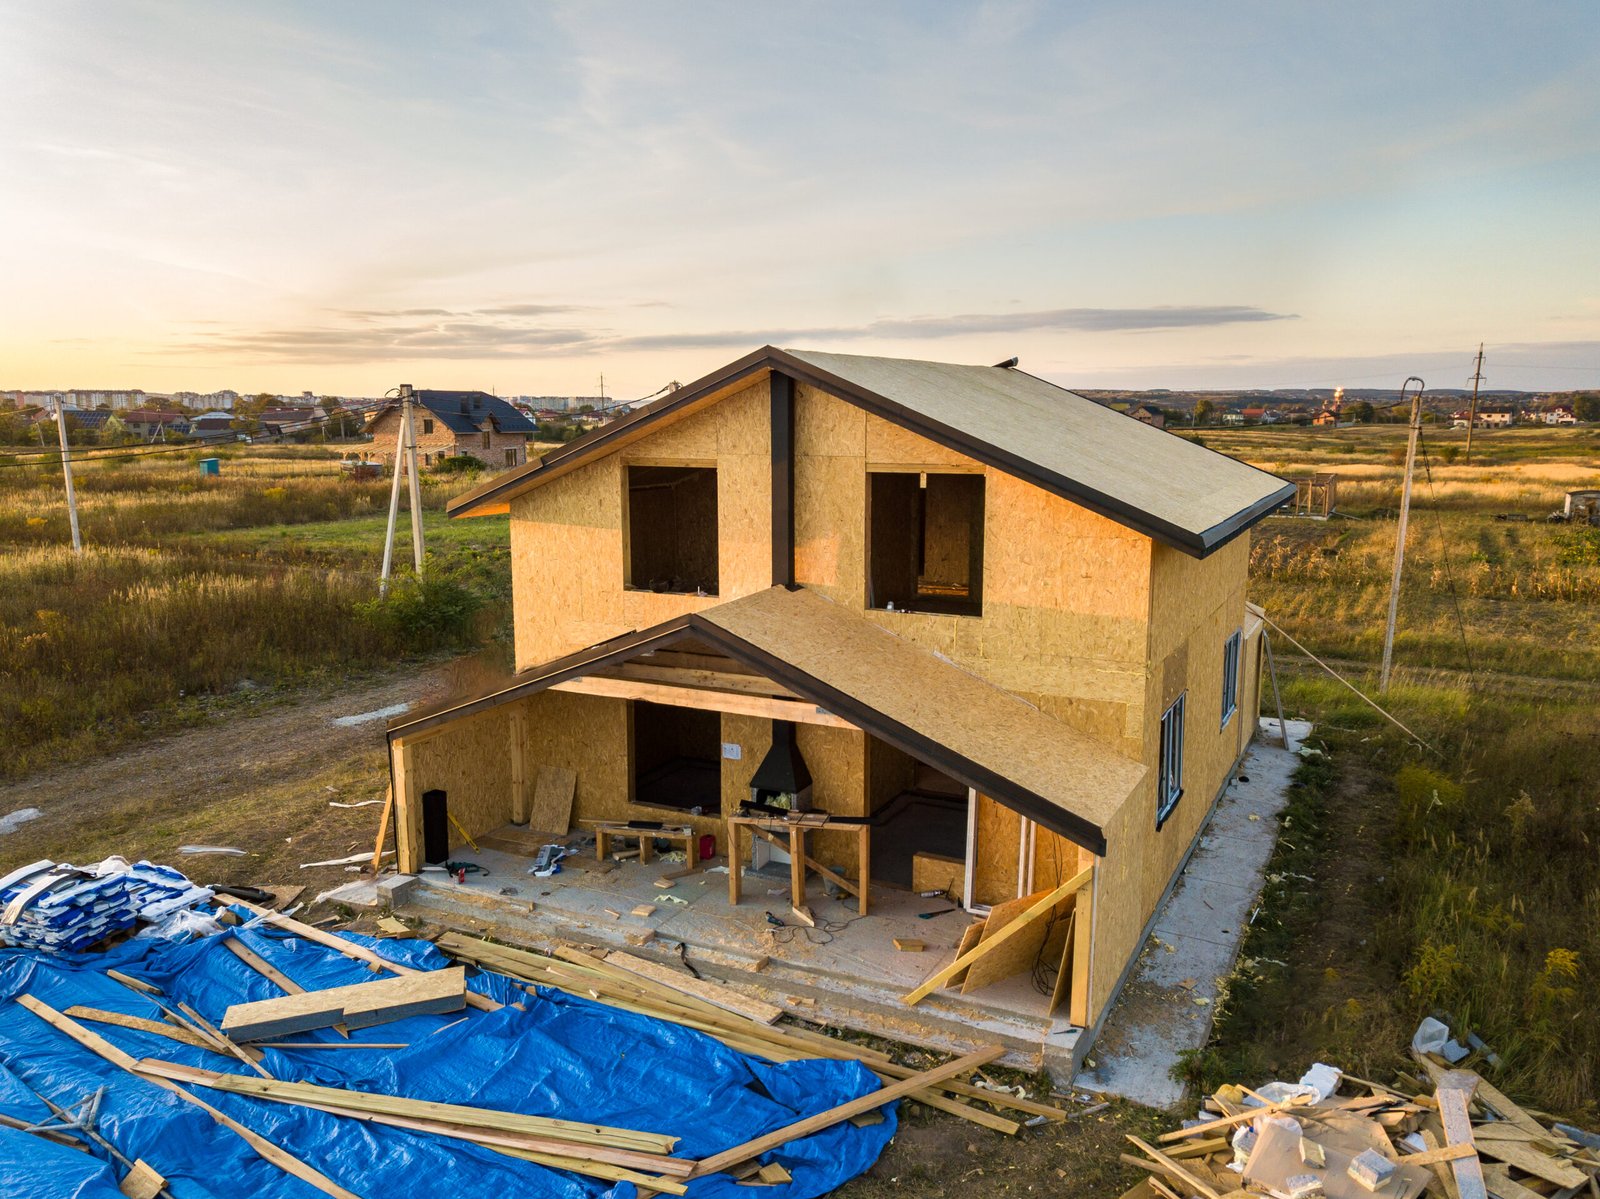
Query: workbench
x=790 y=835
x=604 y=831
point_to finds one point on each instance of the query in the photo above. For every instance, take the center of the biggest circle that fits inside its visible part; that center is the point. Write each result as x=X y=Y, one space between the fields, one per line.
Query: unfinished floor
x=846 y=971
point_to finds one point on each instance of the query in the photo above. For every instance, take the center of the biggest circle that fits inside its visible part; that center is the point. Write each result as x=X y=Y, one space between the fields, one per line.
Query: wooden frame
x=738 y=704
x=799 y=861
x=604 y=832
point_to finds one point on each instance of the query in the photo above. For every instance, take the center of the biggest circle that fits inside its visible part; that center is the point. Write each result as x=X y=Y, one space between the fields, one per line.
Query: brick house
x=450 y=424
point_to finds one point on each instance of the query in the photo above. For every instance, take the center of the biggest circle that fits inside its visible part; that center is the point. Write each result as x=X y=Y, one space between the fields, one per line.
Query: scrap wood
x=719 y=1162
x=1444 y=1153
x=712 y=993
x=138 y=984
x=158 y=1028
x=1454 y=1091
x=1175 y=1169
x=1045 y=905
x=253 y=1060
x=1242 y=1117
x=351 y=950
x=142 y=1182
x=619 y=1146
x=1503 y=1186
x=358 y=1005
x=97 y=1044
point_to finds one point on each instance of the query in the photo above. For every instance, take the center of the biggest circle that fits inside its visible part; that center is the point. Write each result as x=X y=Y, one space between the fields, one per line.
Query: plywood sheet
x=969 y=938
x=552 y=799
x=357 y=1006
x=1017 y=954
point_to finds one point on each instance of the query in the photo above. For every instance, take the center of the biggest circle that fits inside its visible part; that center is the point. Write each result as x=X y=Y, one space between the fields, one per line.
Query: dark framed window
x=672 y=529
x=925 y=542
x=1169 y=780
x=427 y=425
x=1230 y=676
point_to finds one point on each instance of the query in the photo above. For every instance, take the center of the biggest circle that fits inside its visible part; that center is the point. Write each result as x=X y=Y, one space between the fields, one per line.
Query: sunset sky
x=345 y=196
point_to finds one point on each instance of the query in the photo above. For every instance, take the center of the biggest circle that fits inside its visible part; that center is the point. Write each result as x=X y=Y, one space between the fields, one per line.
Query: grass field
x=1460 y=878
x=195 y=588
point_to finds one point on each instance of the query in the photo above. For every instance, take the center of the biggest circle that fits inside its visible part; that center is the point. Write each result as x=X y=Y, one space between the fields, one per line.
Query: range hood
x=783 y=771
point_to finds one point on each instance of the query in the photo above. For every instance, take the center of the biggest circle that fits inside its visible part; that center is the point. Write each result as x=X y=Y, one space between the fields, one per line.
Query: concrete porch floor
x=846 y=972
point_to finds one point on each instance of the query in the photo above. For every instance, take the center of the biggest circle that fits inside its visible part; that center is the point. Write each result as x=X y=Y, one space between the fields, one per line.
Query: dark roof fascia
x=1218 y=535
x=598 y=439
x=997 y=787
x=538 y=678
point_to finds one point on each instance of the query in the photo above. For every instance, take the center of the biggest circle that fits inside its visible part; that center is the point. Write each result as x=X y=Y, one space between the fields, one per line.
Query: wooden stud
x=709 y=992
x=797 y=711
x=517 y=747
x=1455 y=1090
x=140 y=1024
x=383 y=832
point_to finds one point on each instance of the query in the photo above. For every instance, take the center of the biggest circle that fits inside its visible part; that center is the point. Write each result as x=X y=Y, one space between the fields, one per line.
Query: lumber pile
x=1446 y=1132
x=609 y=980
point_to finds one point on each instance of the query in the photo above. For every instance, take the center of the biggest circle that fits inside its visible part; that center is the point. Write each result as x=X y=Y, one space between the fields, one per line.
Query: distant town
x=115 y=417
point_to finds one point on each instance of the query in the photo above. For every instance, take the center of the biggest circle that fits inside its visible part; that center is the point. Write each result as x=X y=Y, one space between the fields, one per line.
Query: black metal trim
x=783 y=574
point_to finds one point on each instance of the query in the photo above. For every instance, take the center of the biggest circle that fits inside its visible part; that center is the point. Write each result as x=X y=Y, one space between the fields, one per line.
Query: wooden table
x=603 y=832
x=790 y=835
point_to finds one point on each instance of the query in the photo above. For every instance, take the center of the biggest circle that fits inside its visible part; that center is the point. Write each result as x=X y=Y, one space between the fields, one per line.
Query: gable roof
x=465 y=411
x=901 y=693
x=1154 y=482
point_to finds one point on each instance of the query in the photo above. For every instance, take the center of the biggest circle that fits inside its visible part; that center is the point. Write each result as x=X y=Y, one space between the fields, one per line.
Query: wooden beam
x=1453 y=1093
x=157 y=1028
x=719 y=1162
x=797 y=711
x=359 y=1005
x=1078 y=1011
x=98 y=1045
x=518 y=751
x=708 y=992
x=383 y=832
x=262 y=967
x=407 y=795
x=704 y=680
x=1043 y=907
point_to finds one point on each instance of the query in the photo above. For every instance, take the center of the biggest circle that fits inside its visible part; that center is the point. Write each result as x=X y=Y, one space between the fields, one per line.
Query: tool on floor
x=463 y=832
x=774 y=921
x=940 y=912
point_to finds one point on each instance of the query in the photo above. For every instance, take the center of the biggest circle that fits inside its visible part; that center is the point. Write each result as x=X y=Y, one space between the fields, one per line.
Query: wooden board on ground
x=1017 y=954
x=552 y=799
x=969 y=940
x=1453 y=1094
x=709 y=992
x=909 y=945
x=141 y=1182
x=358 y=1006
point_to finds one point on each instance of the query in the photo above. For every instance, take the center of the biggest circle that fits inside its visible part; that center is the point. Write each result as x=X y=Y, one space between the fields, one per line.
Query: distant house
x=1148 y=415
x=1497 y=418
x=1328 y=418
x=1559 y=416
x=1233 y=418
x=212 y=425
x=280 y=421
x=151 y=423
x=450 y=424
x=1253 y=416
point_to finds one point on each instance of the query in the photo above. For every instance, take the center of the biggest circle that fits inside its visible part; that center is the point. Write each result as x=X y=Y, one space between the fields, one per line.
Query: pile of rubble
x=1339 y=1137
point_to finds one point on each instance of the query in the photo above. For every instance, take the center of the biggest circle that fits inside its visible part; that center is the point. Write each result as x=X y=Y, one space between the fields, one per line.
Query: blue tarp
x=563 y=1056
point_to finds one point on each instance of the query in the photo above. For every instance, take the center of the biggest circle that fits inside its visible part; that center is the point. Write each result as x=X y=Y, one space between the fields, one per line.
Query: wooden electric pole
x=1400 y=534
x=66 y=473
x=1472 y=412
x=405 y=458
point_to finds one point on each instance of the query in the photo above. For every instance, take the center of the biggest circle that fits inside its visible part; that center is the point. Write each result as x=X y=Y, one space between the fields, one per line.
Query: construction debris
x=57 y=906
x=1303 y=1140
x=360 y=1006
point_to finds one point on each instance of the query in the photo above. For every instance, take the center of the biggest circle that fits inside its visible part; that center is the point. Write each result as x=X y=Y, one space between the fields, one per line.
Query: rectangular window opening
x=427 y=425
x=1169 y=780
x=1230 y=677
x=925 y=542
x=672 y=529
x=677 y=758
x=511 y=457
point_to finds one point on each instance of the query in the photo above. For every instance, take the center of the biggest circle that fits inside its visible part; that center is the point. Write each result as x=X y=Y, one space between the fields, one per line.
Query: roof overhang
x=1091 y=781
x=495 y=496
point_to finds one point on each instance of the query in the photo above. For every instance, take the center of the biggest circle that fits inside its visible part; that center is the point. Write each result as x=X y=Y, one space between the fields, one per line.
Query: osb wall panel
x=567 y=537
x=588 y=735
x=994 y=852
x=1121 y=901
x=470 y=761
x=837 y=759
x=889 y=772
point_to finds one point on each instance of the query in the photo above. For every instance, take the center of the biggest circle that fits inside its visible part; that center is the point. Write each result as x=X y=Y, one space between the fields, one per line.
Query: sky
x=525 y=197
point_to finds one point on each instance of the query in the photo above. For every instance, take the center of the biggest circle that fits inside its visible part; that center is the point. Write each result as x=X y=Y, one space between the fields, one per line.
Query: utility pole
x=1472 y=412
x=405 y=458
x=1400 y=534
x=66 y=473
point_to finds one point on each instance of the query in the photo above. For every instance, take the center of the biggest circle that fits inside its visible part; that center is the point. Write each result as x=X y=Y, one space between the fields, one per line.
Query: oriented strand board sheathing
x=471 y=761
x=994 y=852
x=552 y=799
x=1017 y=954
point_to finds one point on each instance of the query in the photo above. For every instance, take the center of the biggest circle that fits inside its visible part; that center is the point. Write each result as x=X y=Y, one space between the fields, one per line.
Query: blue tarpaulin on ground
x=563 y=1056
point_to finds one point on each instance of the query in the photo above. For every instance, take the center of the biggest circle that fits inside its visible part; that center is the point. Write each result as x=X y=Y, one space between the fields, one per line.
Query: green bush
x=430 y=613
x=459 y=464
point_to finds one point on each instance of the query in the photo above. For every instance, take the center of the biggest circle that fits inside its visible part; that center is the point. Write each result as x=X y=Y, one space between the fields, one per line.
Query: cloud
x=507 y=331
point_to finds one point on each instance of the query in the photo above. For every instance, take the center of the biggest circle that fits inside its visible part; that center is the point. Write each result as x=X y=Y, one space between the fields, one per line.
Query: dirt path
x=261 y=781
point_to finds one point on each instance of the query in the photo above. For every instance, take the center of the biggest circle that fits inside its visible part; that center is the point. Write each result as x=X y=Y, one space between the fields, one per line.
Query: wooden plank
x=1503 y=1186
x=1082 y=950
x=1444 y=1153
x=262 y=967
x=1017 y=926
x=795 y=711
x=156 y=1027
x=383 y=832
x=1454 y=1091
x=138 y=984
x=624 y=1146
x=552 y=800
x=359 y=1005
x=1064 y=970
x=97 y=1044
x=1530 y=1161
x=141 y=1182
x=351 y=950
x=1441 y=1172
x=222 y=1042
x=969 y=937
x=719 y=1162
x=1176 y=1169
x=909 y=944
x=701 y=989
x=1019 y=952
x=517 y=751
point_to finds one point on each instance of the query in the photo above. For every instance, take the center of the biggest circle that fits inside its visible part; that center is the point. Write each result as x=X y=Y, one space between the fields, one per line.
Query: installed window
x=1169 y=781
x=925 y=542
x=1230 y=677
x=672 y=529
